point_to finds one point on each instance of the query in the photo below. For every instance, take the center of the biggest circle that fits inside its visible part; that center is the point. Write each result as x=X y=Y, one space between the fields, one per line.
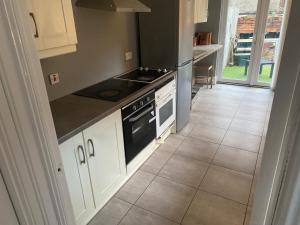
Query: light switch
x=54 y=78
x=128 y=56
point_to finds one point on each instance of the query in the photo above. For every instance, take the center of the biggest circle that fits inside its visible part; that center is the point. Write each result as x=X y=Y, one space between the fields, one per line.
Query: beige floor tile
x=227 y=183
x=195 y=117
x=197 y=149
x=234 y=104
x=208 y=209
x=252 y=192
x=247 y=126
x=167 y=198
x=221 y=111
x=251 y=115
x=253 y=106
x=248 y=216
x=138 y=216
x=174 y=140
x=265 y=129
x=236 y=159
x=208 y=133
x=111 y=213
x=216 y=121
x=242 y=140
x=135 y=186
x=156 y=161
x=262 y=145
x=166 y=147
x=184 y=170
x=201 y=105
x=187 y=129
x=258 y=164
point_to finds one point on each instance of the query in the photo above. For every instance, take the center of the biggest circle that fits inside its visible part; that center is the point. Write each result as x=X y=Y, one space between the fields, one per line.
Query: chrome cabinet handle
x=36 y=35
x=90 y=141
x=80 y=149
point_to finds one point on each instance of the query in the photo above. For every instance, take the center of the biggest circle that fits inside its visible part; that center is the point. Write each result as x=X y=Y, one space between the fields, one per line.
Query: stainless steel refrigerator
x=166 y=41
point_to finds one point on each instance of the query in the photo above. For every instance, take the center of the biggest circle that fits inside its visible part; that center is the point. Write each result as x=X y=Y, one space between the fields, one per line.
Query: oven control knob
x=141 y=68
x=134 y=107
x=146 y=69
x=141 y=103
x=165 y=70
x=148 y=99
x=159 y=70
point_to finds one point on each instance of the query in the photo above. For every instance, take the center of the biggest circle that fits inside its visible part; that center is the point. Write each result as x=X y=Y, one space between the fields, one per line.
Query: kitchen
x=125 y=85
x=64 y=155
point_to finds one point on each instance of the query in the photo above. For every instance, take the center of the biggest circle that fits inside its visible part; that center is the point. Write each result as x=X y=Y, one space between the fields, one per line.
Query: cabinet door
x=201 y=11
x=52 y=25
x=204 y=11
x=78 y=179
x=196 y=13
x=106 y=157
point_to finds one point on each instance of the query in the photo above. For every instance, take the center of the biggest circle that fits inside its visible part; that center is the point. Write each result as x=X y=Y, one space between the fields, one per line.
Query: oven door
x=166 y=113
x=139 y=130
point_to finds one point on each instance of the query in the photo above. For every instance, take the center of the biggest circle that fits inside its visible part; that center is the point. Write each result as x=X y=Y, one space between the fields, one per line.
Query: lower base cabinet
x=78 y=178
x=94 y=165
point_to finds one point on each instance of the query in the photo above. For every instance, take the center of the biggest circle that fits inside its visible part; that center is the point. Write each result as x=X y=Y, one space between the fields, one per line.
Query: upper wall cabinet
x=201 y=11
x=53 y=26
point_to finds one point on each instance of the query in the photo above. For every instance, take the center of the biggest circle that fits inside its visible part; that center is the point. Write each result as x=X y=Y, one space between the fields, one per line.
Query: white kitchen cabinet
x=201 y=11
x=106 y=156
x=78 y=178
x=53 y=26
x=94 y=165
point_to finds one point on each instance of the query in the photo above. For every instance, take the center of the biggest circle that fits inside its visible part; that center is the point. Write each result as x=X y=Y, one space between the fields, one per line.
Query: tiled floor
x=205 y=175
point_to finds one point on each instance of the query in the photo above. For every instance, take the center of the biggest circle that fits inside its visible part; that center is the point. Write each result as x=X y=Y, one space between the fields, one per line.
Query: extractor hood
x=114 y=5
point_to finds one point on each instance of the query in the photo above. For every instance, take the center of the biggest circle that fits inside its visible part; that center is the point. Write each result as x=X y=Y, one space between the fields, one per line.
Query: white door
x=252 y=46
x=106 y=157
x=201 y=11
x=52 y=23
x=7 y=212
x=77 y=175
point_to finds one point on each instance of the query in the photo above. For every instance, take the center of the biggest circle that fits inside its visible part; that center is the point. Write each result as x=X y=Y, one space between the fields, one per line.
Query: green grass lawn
x=237 y=73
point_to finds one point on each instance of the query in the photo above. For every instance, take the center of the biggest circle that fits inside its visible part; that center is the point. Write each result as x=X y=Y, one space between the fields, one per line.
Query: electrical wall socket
x=128 y=55
x=54 y=78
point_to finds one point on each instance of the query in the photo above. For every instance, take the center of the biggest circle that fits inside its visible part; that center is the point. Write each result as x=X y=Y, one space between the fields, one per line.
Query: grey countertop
x=202 y=51
x=72 y=114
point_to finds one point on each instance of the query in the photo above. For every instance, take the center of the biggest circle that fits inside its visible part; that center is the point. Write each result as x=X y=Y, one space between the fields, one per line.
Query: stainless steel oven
x=139 y=125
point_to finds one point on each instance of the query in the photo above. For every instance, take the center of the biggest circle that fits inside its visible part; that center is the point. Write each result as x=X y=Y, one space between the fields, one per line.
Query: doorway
x=251 y=41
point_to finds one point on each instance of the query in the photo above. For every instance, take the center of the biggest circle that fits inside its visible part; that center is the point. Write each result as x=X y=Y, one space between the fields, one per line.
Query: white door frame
x=29 y=159
x=260 y=24
x=257 y=53
x=258 y=41
x=280 y=140
x=7 y=213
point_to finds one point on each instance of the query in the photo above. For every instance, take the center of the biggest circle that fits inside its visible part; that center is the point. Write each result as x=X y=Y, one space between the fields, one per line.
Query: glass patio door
x=239 y=40
x=251 y=41
x=269 y=50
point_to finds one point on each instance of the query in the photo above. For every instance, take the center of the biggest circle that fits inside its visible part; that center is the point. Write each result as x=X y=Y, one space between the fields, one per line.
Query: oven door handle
x=133 y=119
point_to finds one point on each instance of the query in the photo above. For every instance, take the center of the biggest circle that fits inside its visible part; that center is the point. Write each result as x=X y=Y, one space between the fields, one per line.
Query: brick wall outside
x=246 y=23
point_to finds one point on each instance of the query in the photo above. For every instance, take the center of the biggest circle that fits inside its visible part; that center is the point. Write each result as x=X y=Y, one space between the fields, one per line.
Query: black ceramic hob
x=111 y=90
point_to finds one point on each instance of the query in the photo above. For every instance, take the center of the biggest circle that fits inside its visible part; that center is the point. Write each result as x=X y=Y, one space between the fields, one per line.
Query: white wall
x=7 y=213
x=281 y=126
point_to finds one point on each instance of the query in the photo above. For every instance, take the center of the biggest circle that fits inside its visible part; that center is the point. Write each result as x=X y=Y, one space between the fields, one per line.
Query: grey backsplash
x=103 y=38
